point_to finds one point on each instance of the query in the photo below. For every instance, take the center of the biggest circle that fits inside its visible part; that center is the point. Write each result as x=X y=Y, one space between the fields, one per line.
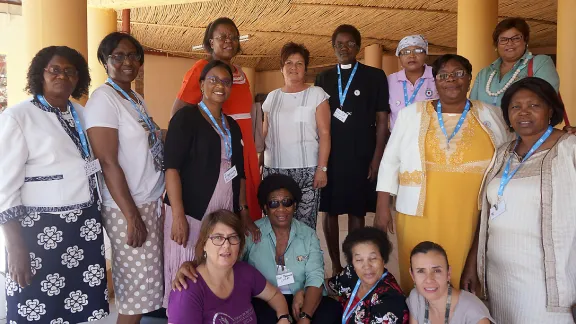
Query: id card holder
x=92 y=167
x=284 y=276
x=230 y=174
x=497 y=209
x=340 y=115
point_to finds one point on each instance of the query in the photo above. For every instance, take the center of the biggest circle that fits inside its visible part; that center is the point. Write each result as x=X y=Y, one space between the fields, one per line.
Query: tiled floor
x=343 y=220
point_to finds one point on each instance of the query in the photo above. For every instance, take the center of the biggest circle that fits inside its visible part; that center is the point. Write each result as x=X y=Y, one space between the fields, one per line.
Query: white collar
x=345 y=66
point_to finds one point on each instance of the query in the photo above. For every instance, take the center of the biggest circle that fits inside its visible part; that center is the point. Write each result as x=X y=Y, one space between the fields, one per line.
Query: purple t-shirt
x=198 y=304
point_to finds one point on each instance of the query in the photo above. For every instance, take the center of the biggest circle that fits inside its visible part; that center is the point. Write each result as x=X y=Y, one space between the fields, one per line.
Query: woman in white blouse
x=297 y=131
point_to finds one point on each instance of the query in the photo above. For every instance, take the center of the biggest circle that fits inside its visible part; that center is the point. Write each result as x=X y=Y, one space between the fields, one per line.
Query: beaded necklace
x=509 y=83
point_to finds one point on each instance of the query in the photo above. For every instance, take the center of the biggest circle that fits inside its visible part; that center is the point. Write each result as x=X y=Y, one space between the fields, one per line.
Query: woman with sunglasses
x=224 y=286
x=129 y=146
x=288 y=256
x=49 y=206
x=415 y=81
x=510 y=39
x=222 y=42
x=434 y=164
x=204 y=168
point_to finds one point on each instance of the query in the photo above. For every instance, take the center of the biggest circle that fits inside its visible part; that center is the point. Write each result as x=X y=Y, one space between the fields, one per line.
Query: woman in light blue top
x=288 y=255
x=510 y=37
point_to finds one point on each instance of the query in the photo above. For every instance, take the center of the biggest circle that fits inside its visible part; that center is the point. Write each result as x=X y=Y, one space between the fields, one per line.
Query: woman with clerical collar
x=359 y=107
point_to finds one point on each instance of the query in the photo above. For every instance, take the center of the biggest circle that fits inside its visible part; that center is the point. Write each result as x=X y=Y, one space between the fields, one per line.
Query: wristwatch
x=242 y=207
x=303 y=315
x=323 y=168
x=286 y=316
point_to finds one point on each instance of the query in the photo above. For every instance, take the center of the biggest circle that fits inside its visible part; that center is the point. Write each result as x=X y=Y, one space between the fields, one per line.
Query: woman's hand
x=261 y=162
x=373 y=170
x=469 y=280
x=180 y=230
x=320 y=179
x=19 y=264
x=298 y=302
x=251 y=228
x=570 y=130
x=383 y=220
x=186 y=271
x=137 y=231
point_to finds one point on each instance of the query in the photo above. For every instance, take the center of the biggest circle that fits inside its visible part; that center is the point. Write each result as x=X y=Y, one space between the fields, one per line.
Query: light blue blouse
x=543 y=67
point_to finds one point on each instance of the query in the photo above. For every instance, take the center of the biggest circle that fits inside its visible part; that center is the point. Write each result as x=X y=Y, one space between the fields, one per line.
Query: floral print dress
x=386 y=304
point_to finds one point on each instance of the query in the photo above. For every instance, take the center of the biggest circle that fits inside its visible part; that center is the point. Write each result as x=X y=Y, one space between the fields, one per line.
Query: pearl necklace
x=509 y=83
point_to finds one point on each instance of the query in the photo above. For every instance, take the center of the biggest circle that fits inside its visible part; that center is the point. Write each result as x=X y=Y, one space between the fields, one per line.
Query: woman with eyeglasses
x=224 y=285
x=129 y=146
x=222 y=42
x=297 y=131
x=49 y=202
x=434 y=164
x=415 y=81
x=204 y=168
x=288 y=256
x=510 y=39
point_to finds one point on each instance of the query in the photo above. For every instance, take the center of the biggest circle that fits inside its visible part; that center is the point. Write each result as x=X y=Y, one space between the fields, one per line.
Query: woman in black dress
x=359 y=126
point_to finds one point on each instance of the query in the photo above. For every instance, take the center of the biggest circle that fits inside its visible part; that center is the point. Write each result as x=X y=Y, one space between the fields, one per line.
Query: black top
x=193 y=148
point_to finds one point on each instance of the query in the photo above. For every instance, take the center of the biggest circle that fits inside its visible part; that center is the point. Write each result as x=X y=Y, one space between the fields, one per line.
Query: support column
x=566 y=44
x=476 y=21
x=251 y=76
x=373 y=56
x=55 y=22
x=390 y=64
x=126 y=21
x=101 y=22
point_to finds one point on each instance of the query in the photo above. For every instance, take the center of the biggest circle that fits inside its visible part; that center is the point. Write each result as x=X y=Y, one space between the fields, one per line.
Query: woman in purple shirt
x=225 y=288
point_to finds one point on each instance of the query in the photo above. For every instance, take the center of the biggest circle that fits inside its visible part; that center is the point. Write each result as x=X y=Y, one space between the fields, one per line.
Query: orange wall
x=162 y=80
x=268 y=80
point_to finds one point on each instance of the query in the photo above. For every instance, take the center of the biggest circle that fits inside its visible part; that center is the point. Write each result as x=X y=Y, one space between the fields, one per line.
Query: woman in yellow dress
x=434 y=164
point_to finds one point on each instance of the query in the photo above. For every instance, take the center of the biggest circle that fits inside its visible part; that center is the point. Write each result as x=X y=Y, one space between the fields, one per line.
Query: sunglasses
x=286 y=202
x=456 y=75
x=416 y=51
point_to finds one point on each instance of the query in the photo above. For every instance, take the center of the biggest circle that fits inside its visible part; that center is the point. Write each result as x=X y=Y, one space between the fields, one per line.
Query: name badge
x=284 y=279
x=156 y=149
x=230 y=174
x=92 y=167
x=497 y=209
x=340 y=115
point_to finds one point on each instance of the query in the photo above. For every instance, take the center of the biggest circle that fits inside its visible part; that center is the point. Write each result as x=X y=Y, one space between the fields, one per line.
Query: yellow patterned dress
x=453 y=178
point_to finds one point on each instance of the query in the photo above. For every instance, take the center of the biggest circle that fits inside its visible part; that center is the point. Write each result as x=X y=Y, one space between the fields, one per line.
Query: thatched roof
x=176 y=28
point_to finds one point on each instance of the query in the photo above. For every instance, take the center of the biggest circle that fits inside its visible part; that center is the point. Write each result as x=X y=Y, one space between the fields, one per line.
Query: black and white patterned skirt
x=68 y=268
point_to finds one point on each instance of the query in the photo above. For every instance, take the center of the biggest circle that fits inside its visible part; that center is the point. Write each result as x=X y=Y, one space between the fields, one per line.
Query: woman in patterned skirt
x=49 y=206
x=297 y=132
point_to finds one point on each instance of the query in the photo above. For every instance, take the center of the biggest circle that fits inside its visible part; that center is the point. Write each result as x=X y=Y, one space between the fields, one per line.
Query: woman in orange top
x=222 y=42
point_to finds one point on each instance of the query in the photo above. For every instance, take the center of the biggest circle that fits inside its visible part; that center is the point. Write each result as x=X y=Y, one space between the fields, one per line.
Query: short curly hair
x=367 y=234
x=293 y=48
x=275 y=182
x=209 y=33
x=35 y=76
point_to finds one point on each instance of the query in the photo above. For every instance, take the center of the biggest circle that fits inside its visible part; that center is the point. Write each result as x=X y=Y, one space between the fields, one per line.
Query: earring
x=204 y=255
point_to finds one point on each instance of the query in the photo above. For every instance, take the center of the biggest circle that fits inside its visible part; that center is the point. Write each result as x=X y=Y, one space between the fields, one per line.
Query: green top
x=303 y=256
x=543 y=67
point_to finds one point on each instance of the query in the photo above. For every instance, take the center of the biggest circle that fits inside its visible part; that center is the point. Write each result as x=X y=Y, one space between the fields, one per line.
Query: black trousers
x=328 y=312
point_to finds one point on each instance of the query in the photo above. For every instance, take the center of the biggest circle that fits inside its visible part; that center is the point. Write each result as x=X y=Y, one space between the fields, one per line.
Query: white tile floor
x=343 y=220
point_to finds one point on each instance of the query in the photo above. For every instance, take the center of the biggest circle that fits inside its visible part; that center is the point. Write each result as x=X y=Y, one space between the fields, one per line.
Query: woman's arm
x=276 y=300
x=179 y=232
x=18 y=257
x=383 y=219
x=482 y=321
x=413 y=319
x=381 y=139
x=264 y=134
x=323 y=124
x=251 y=228
x=469 y=280
x=104 y=143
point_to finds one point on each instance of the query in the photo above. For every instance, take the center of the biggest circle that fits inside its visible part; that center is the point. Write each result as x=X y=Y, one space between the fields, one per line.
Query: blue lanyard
x=348 y=312
x=143 y=116
x=411 y=100
x=458 y=126
x=227 y=137
x=507 y=175
x=79 y=128
x=342 y=95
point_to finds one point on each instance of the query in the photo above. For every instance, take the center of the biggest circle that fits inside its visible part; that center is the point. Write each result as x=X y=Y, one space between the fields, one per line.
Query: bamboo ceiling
x=176 y=28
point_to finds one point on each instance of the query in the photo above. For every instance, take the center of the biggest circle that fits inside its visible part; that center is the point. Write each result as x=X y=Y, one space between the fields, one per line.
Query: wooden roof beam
x=128 y=4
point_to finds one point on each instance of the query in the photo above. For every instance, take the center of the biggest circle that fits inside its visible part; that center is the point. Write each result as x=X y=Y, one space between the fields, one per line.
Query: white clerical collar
x=345 y=66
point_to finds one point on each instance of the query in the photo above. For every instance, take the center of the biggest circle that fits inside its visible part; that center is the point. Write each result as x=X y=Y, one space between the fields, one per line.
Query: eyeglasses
x=505 y=40
x=219 y=240
x=416 y=51
x=120 y=58
x=456 y=75
x=350 y=44
x=56 y=71
x=214 y=80
x=286 y=202
x=223 y=38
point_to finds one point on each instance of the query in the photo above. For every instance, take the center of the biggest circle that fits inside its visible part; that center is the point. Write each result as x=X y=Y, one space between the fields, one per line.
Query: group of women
x=457 y=173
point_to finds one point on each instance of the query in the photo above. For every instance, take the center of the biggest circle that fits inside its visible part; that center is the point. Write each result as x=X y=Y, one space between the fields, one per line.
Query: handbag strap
x=531 y=74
